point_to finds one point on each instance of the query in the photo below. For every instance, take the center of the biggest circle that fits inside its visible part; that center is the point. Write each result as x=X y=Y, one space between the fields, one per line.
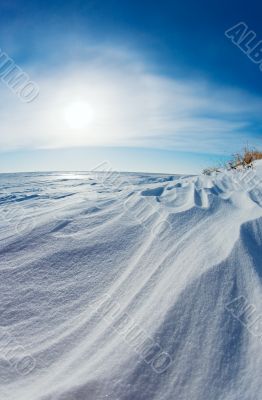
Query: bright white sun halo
x=78 y=115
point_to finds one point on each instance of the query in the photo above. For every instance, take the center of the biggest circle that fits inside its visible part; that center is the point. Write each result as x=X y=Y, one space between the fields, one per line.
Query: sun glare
x=78 y=115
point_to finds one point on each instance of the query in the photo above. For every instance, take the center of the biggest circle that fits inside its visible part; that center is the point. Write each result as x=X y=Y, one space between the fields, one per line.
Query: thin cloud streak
x=132 y=107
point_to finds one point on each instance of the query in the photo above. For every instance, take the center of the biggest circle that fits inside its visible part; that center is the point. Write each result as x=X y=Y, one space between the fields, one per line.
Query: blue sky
x=148 y=86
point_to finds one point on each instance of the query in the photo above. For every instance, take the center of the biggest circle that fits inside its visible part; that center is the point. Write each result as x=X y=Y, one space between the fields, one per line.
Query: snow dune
x=130 y=286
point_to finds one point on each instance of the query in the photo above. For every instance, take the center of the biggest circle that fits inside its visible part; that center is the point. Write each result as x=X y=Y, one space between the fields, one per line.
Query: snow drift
x=130 y=286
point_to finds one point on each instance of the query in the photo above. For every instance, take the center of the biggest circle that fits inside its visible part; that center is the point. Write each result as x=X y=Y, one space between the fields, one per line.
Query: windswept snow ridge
x=131 y=286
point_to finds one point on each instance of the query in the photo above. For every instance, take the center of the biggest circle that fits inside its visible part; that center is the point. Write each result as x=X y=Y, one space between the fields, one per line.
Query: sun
x=78 y=115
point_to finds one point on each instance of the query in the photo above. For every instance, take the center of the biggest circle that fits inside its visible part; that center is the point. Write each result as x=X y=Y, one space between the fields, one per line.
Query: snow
x=130 y=286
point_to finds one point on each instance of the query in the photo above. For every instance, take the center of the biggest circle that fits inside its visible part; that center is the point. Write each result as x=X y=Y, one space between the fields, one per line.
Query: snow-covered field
x=130 y=286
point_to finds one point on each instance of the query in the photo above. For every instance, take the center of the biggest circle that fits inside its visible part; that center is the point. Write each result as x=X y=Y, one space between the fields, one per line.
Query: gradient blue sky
x=168 y=92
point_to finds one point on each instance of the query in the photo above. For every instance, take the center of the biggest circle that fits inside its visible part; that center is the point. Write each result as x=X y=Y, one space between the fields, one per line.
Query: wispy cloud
x=131 y=107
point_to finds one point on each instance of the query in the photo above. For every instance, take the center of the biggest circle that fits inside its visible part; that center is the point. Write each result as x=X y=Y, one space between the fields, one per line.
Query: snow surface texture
x=131 y=286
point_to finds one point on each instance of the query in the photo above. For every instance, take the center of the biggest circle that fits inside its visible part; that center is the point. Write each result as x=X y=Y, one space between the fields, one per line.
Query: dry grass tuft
x=239 y=161
x=246 y=159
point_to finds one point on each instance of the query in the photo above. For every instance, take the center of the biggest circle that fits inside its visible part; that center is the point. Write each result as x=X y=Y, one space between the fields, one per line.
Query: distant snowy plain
x=131 y=286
